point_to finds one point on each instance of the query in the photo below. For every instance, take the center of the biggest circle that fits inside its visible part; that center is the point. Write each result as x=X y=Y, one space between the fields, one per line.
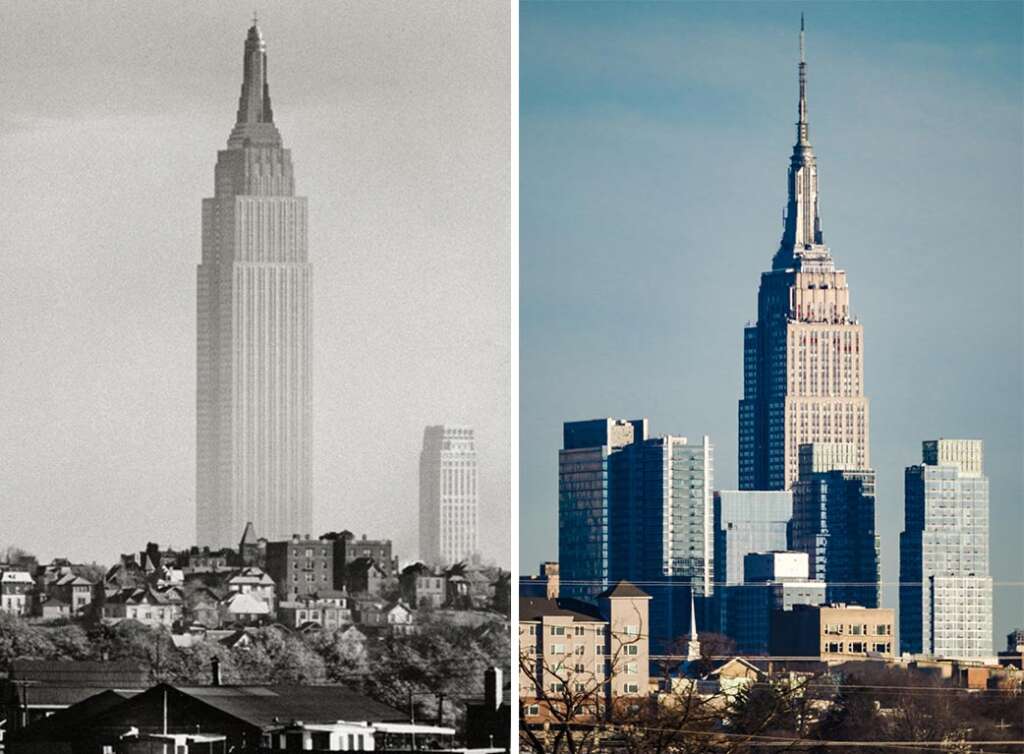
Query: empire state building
x=803 y=360
x=254 y=389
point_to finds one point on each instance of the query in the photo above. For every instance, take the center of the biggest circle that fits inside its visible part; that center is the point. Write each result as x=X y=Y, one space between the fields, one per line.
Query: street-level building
x=833 y=633
x=15 y=586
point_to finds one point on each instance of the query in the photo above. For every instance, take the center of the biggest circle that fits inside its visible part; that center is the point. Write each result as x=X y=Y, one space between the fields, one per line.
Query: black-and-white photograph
x=256 y=367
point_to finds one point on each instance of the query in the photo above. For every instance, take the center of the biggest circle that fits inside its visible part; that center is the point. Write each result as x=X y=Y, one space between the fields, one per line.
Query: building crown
x=801 y=236
x=254 y=125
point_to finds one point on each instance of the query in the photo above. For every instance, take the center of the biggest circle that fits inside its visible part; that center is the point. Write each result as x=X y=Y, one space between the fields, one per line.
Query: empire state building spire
x=255 y=122
x=802 y=229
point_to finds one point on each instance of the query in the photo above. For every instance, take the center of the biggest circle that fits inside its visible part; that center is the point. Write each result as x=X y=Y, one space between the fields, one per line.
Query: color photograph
x=770 y=376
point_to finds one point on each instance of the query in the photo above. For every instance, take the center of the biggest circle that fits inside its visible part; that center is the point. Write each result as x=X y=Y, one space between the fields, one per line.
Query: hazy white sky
x=397 y=116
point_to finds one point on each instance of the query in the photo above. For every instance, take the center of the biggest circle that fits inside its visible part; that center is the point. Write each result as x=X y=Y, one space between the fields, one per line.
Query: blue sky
x=654 y=142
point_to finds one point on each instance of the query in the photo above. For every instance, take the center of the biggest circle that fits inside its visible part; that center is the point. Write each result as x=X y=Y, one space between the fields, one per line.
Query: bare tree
x=575 y=701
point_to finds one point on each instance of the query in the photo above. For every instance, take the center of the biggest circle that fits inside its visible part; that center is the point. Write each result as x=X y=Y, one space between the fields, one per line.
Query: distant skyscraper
x=254 y=389
x=449 y=497
x=637 y=508
x=945 y=586
x=803 y=360
x=745 y=521
x=834 y=522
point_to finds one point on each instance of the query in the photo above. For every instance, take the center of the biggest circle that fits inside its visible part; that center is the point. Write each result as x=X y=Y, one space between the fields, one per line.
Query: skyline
x=668 y=163
x=398 y=121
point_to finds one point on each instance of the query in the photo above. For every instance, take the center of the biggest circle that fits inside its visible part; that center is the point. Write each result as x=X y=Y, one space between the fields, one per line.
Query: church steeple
x=802 y=228
x=254 y=124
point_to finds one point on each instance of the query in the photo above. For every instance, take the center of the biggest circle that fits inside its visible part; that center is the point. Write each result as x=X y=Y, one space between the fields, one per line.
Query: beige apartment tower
x=254 y=389
x=803 y=360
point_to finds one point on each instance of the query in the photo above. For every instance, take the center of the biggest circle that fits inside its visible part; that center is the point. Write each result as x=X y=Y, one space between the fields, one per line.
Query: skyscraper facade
x=637 y=508
x=834 y=522
x=803 y=359
x=449 y=496
x=254 y=380
x=583 y=500
x=945 y=586
x=661 y=534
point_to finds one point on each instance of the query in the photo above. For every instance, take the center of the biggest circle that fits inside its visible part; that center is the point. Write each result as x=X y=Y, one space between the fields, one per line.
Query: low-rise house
x=254 y=581
x=202 y=607
x=76 y=591
x=125 y=573
x=15 y=586
x=399 y=619
x=421 y=586
x=328 y=611
x=148 y=605
x=244 y=608
x=395 y=618
x=364 y=576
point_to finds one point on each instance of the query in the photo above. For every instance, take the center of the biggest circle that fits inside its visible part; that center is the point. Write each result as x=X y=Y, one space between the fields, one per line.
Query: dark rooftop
x=623 y=589
x=535 y=608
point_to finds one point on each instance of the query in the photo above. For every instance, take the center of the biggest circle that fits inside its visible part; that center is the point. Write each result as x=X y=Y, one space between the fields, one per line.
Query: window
x=631 y=668
x=532 y=710
x=557 y=686
x=558 y=630
x=632 y=630
x=578 y=668
x=578 y=630
x=631 y=688
x=580 y=649
x=558 y=649
x=599 y=649
x=631 y=649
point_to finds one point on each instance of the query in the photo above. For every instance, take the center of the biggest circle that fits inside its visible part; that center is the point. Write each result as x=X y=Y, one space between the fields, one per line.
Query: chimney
x=215 y=667
x=492 y=688
x=550 y=572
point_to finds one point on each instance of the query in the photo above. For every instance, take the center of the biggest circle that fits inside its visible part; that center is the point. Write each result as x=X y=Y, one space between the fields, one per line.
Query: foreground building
x=834 y=522
x=583 y=655
x=945 y=586
x=449 y=497
x=803 y=361
x=254 y=387
x=214 y=719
